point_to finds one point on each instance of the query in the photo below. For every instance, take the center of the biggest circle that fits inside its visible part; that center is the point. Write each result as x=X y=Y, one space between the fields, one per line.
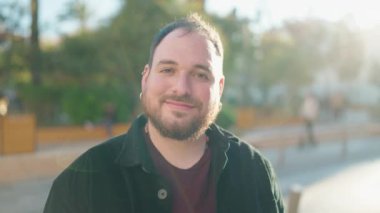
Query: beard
x=192 y=129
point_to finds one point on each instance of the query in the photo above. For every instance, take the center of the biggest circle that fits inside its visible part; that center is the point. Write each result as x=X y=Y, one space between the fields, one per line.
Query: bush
x=226 y=117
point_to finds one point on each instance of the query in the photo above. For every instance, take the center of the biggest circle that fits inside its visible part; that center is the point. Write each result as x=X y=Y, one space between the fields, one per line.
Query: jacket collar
x=219 y=142
x=134 y=151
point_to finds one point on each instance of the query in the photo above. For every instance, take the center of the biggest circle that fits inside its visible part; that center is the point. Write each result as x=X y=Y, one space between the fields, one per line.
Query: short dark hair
x=191 y=23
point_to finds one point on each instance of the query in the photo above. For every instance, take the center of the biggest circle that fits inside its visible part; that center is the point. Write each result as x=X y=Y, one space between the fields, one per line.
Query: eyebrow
x=167 y=62
x=199 y=66
x=203 y=67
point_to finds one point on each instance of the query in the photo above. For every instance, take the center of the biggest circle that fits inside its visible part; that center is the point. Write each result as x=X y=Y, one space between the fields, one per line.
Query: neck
x=182 y=154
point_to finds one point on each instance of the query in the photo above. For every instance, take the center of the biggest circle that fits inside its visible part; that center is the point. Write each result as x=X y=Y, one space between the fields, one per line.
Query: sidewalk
x=352 y=190
x=25 y=179
x=47 y=161
x=331 y=183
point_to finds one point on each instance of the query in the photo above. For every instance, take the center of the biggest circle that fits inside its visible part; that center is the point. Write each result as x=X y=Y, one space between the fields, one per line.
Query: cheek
x=207 y=96
x=154 y=86
x=214 y=94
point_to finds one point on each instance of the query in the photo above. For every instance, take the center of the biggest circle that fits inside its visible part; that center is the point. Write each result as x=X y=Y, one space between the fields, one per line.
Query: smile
x=179 y=105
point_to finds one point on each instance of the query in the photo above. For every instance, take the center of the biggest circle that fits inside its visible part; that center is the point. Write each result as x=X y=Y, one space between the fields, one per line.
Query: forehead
x=182 y=46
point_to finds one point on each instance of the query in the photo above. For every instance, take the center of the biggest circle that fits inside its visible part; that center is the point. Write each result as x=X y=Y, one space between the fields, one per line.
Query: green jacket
x=119 y=176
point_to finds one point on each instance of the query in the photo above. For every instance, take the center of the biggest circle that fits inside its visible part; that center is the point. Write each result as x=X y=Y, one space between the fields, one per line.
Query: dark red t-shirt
x=193 y=189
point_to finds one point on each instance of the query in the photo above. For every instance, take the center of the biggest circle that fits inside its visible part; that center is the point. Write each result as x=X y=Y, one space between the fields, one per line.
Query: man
x=173 y=158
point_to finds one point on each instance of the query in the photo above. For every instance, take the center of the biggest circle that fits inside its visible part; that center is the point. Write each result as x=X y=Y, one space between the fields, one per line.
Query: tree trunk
x=35 y=52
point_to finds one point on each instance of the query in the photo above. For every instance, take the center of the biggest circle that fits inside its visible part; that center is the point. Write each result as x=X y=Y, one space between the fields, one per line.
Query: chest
x=136 y=191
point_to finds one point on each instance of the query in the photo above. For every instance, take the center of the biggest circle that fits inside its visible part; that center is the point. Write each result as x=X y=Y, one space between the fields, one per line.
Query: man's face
x=181 y=90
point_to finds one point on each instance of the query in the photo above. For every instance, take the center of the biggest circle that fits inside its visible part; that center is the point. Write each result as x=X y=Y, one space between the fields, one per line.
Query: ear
x=221 y=85
x=145 y=74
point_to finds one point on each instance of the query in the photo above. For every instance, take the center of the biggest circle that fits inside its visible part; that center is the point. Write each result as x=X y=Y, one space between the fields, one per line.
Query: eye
x=202 y=76
x=167 y=70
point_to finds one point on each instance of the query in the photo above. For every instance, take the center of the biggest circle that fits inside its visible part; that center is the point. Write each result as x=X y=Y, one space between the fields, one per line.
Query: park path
x=330 y=182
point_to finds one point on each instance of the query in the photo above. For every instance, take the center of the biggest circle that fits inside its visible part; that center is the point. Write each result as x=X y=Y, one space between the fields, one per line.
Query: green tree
x=240 y=59
x=13 y=47
x=105 y=65
x=280 y=63
x=77 y=10
x=293 y=54
x=346 y=52
x=128 y=38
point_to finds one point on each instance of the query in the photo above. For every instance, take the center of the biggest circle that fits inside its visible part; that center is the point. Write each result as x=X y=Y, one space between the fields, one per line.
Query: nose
x=182 y=85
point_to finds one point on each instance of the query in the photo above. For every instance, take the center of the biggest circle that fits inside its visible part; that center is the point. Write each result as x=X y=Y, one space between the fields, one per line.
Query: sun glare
x=361 y=13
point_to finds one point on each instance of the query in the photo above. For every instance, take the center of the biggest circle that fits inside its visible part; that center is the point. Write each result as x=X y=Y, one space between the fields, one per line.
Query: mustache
x=183 y=98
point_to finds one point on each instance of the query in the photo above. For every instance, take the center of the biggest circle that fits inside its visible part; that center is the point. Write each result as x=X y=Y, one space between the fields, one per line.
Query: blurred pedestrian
x=337 y=105
x=109 y=118
x=309 y=113
x=3 y=104
x=174 y=158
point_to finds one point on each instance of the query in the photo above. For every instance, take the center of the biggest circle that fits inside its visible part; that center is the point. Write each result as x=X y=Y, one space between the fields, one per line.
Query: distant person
x=3 y=104
x=337 y=105
x=16 y=105
x=173 y=158
x=309 y=113
x=109 y=118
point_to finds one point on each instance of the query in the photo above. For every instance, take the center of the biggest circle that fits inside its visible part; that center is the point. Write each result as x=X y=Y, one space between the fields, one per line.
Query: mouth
x=179 y=105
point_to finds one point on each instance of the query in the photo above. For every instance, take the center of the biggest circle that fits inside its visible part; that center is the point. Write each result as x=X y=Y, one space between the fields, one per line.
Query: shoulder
x=237 y=146
x=72 y=189
x=100 y=156
x=96 y=161
x=248 y=153
x=248 y=167
x=243 y=155
x=245 y=159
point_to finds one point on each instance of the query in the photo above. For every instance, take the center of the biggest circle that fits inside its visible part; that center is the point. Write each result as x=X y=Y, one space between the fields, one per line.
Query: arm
x=269 y=186
x=69 y=189
x=60 y=199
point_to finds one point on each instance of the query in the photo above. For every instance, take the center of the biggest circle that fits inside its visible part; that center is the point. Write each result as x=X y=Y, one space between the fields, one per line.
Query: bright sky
x=362 y=13
x=50 y=9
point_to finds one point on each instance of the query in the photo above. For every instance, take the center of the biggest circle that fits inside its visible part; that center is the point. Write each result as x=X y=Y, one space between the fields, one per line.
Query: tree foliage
x=295 y=53
x=91 y=68
x=13 y=46
x=76 y=10
x=239 y=60
x=346 y=53
x=105 y=65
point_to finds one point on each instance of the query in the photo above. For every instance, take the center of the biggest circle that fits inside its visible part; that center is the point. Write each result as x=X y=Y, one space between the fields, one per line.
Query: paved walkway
x=25 y=179
x=352 y=190
x=46 y=161
x=331 y=183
